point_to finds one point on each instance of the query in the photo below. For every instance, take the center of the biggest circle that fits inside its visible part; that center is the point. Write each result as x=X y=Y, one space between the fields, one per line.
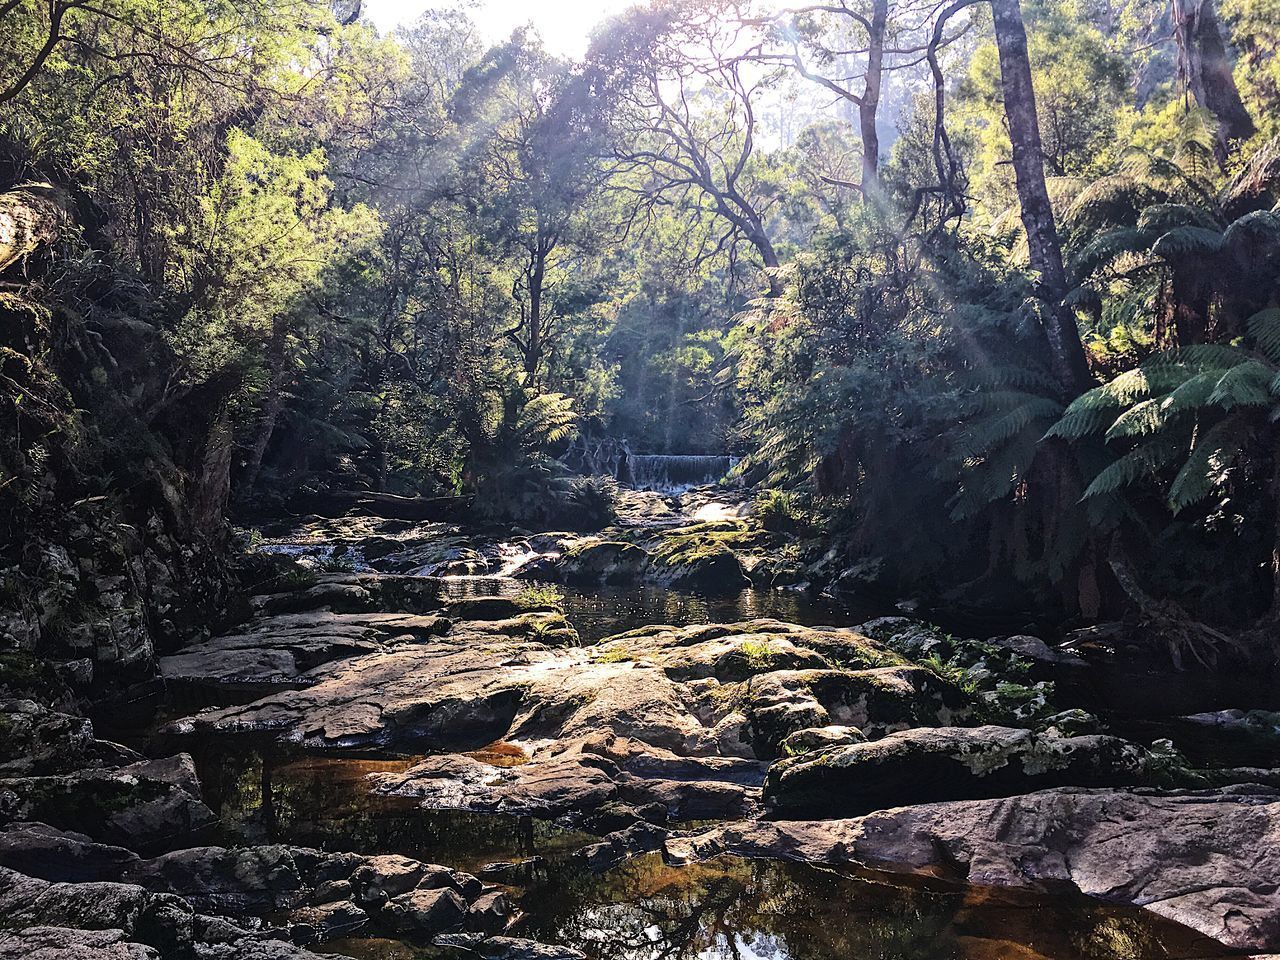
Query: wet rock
x=143 y=806
x=925 y=765
x=623 y=845
x=1033 y=648
x=1072 y=723
x=1210 y=861
x=519 y=872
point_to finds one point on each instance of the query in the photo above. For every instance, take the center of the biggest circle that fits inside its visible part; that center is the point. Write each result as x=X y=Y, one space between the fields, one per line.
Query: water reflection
x=602 y=612
x=732 y=909
x=325 y=802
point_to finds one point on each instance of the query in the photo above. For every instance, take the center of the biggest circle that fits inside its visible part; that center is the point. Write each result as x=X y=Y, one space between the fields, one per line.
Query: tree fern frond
x=1264 y=327
x=1162 y=217
x=1183 y=242
x=1206 y=467
x=1142 y=461
x=1245 y=385
x=1107 y=247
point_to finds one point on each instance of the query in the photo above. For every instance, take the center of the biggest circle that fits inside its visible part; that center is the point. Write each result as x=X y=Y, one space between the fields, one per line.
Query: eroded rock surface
x=1210 y=862
x=686 y=717
x=951 y=763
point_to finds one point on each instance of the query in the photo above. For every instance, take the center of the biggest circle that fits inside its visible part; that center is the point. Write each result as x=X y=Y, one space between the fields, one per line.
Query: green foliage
x=540 y=597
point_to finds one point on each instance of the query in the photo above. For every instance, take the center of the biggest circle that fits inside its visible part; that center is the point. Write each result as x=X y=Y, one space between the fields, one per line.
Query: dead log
x=32 y=216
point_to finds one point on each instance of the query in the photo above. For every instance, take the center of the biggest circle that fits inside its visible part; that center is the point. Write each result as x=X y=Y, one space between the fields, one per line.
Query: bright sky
x=565 y=25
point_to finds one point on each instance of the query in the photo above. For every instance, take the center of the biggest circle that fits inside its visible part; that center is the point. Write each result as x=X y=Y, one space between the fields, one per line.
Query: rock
x=62 y=943
x=425 y=912
x=35 y=740
x=1033 y=648
x=325 y=922
x=158 y=920
x=40 y=851
x=378 y=879
x=507 y=948
x=604 y=562
x=282 y=649
x=149 y=805
x=821 y=738
x=926 y=765
x=489 y=912
x=876 y=701
x=1210 y=861
x=708 y=570
x=1072 y=723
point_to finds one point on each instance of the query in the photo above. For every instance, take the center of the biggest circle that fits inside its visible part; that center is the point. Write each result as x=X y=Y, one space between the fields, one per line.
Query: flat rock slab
x=1209 y=862
x=686 y=717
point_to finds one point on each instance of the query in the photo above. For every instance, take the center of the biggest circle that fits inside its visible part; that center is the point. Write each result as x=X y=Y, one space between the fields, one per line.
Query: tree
x=686 y=123
x=1065 y=347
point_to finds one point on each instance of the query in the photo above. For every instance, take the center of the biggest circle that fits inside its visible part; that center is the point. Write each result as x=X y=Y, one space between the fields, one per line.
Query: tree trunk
x=1066 y=350
x=869 y=108
x=1206 y=68
x=277 y=359
x=31 y=216
x=213 y=486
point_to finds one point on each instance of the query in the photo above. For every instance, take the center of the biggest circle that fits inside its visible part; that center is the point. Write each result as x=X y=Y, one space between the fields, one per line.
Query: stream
x=726 y=908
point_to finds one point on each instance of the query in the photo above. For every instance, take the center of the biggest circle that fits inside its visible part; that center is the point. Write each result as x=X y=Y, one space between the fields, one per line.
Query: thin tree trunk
x=869 y=107
x=1066 y=349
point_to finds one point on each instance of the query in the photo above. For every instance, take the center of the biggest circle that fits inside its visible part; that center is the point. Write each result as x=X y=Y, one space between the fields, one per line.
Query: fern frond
x=1142 y=461
x=1245 y=385
x=1183 y=242
x=1264 y=327
x=1206 y=467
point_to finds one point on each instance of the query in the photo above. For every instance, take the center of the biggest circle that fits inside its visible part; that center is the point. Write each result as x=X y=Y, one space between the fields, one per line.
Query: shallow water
x=727 y=909
x=601 y=612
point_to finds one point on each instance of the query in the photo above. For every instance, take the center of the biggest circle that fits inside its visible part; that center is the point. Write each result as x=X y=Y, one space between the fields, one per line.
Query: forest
x=781 y=443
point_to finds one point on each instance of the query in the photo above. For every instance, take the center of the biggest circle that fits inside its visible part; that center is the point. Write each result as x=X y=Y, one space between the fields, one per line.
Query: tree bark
x=1066 y=350
x=31 y=216
x=869 y=107
x=1206 y=66
x=213 y=486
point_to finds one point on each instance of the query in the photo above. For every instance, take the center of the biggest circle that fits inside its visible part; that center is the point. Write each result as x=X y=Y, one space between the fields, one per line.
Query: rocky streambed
x=431 y=763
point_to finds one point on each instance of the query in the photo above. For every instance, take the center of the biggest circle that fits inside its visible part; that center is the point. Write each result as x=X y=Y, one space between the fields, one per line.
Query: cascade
x=668 y=473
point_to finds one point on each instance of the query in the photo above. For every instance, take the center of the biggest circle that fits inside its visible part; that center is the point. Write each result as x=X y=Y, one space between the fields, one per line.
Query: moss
x=31 y=677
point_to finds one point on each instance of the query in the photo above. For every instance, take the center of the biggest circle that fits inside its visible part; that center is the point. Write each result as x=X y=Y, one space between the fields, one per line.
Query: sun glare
x=565 y=25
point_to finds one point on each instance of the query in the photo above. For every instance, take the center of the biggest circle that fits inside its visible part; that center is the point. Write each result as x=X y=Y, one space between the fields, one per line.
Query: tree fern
x=1206 y=466
x=1142 y=461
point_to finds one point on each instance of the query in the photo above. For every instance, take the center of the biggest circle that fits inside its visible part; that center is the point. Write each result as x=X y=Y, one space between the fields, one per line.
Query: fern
x=1206 y=466
x=1142 y=461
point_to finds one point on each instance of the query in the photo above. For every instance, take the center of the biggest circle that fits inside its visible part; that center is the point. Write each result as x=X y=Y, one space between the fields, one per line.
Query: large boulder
x=948 y=763
x=1210 y=861
x=604 y=562
x=150 y=805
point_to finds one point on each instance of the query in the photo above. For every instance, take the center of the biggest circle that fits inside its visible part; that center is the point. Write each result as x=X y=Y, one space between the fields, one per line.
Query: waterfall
x=672 y=474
